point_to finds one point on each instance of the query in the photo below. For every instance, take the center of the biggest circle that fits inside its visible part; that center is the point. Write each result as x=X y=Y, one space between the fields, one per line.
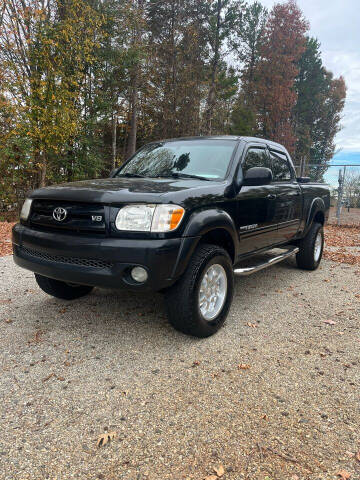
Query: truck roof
x=228 y=137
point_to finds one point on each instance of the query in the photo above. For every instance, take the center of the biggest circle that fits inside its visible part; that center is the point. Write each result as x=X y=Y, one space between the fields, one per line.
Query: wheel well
x=319 y=218
x=222 y=238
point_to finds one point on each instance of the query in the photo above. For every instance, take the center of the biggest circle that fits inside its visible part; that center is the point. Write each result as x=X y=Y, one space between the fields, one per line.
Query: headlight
x=25 y=211
x=149 y=218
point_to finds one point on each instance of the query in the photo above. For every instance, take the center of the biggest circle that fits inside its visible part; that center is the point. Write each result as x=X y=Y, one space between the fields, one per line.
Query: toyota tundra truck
x=181 y=217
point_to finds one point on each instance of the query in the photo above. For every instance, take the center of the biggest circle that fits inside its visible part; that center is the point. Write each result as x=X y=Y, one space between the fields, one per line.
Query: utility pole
x=340 y=194
x=302 y=167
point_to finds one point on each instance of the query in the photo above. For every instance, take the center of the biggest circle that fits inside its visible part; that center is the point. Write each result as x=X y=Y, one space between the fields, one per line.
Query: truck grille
x=82 y=262
x=79 y=217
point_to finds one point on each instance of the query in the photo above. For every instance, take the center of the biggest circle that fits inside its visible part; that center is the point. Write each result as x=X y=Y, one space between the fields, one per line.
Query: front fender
x=200 y=223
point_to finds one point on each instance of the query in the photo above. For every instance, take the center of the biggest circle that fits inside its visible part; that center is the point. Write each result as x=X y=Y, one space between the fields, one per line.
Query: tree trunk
x=137 y=41
x=113 y=143
x=210 y=103
x=41 y=160
x=131 y=147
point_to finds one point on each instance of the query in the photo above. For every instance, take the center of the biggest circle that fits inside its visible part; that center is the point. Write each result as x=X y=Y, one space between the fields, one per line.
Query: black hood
x=131 y=190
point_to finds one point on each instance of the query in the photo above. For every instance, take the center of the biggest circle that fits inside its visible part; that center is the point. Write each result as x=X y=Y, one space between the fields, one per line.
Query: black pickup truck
x=181 y=216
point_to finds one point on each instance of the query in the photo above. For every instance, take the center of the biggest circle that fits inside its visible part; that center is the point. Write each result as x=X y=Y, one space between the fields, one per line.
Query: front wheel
x=199 y=302
x=311 y=248
x=58 y=289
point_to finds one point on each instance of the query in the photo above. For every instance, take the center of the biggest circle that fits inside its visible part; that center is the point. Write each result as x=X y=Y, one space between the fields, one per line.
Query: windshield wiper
x=130 y=175
x=187 y=175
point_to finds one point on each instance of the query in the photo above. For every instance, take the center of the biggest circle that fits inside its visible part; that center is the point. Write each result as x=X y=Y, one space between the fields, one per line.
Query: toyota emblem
x=59 y=214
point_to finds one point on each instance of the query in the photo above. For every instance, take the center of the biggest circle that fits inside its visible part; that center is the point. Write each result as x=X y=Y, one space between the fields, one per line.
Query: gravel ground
x=181 y=406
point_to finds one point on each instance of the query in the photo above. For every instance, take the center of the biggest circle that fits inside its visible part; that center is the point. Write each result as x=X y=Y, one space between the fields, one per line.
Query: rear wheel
x=58 y=289
x=199 y=302
x=311 y=248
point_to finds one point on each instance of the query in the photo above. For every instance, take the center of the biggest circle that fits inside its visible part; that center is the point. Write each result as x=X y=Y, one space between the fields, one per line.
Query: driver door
x=256 y=205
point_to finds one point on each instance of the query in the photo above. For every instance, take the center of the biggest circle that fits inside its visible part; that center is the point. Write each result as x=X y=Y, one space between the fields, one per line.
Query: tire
x=59 y=289
x=310 y=253
x=183 y=299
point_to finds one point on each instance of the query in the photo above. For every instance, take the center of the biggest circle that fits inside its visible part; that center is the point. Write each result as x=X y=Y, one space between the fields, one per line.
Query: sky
x=336 y=24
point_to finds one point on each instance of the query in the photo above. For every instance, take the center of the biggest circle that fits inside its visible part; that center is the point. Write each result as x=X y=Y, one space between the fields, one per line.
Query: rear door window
x=280 y=167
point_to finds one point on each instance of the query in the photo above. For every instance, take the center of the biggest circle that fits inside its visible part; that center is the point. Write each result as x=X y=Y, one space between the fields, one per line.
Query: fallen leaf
x=5 y=238
x=3 y=302
x=243 y=366
x=330 y=322
x=211 y=477
x=105 y=438
x=219 y=471
x=344 y=475
x=37 y=337
x=48 y=377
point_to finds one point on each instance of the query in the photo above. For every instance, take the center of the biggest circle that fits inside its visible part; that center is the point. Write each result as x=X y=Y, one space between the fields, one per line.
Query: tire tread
x=179 y=298
x=305 y=256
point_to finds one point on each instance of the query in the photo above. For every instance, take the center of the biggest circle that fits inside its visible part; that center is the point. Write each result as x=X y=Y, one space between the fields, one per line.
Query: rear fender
x=317 y=205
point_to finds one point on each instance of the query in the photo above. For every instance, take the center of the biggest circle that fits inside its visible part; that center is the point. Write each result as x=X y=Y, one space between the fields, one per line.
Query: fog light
x=139 y=274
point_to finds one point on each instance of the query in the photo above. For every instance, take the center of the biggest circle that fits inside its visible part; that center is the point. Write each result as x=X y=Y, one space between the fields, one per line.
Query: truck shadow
x=122 y=316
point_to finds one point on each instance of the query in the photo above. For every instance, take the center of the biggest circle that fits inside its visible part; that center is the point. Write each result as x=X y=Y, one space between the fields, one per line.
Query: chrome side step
x=271 y=261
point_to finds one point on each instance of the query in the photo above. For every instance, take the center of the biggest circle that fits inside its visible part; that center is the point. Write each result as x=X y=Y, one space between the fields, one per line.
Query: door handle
x=271 y=196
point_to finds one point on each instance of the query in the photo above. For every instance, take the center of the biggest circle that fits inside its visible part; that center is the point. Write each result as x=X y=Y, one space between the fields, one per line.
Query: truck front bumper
x=101 y=262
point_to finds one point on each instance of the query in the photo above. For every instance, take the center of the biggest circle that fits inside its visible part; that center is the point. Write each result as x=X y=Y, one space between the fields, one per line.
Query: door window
x=256 y=157
x=280 y=167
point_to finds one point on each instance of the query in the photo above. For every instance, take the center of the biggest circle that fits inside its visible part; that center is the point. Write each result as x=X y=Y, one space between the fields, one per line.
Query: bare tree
x=352 y=188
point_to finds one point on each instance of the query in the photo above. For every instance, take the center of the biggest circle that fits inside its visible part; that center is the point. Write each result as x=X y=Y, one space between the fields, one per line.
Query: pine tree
x=320 y=99
x=176 y=73
x=221 y=18
x=246 y=42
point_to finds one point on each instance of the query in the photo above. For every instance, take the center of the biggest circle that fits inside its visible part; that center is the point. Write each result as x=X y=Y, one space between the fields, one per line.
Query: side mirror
x=113 y=172
x=257 y=176
x=303 y=179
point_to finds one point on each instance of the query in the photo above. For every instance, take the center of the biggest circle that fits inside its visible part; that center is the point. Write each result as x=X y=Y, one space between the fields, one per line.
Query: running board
x=256 y=268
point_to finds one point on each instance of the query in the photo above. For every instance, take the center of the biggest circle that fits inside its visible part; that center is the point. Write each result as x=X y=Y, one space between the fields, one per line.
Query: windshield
x=207 y=159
